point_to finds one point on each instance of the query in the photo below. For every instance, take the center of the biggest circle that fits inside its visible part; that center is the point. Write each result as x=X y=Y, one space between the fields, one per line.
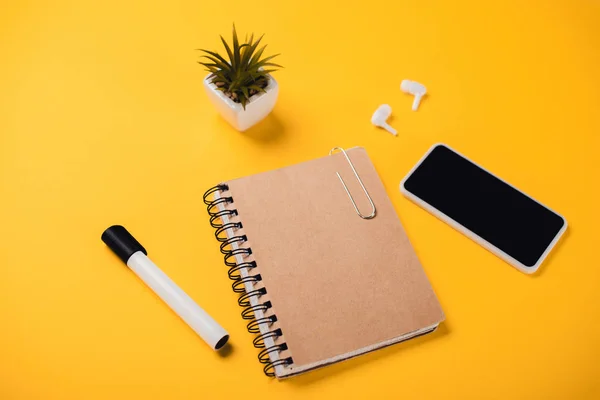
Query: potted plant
x=241 y=88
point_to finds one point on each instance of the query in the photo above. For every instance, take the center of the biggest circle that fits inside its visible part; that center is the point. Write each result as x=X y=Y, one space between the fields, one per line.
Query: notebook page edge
x=291 y=371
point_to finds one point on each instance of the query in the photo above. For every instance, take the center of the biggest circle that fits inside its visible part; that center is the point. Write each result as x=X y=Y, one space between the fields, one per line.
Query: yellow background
x=103 y=120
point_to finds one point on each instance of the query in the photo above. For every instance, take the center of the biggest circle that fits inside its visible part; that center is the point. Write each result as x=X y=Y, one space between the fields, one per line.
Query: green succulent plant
x=245 y=74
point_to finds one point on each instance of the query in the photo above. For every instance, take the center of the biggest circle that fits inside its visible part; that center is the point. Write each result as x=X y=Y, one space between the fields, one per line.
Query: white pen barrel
x=198 y=319
x=132 y=253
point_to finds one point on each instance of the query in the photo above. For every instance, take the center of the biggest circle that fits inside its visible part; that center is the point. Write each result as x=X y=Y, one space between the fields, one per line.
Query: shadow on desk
x=226 y=350
x=268 y=130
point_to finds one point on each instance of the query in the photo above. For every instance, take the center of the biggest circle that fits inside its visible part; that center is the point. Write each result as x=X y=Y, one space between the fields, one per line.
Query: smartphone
x=493 y=213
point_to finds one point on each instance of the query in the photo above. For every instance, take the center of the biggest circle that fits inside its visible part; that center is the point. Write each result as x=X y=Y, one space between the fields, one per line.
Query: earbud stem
x=388 y=128
x=416 y=102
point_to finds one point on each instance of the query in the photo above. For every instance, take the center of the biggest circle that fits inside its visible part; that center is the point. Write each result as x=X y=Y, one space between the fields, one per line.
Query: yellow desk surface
x=103 y=120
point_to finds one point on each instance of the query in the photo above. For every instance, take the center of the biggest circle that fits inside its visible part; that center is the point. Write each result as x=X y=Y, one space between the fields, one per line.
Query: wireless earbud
x=416 y=89
x=380 y=117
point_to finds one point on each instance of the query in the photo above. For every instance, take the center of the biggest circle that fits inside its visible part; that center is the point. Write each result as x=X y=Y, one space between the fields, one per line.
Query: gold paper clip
x=373 y=212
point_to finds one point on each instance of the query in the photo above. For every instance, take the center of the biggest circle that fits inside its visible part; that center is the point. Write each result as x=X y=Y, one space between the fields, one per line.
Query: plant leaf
x=249 y=43
x=245 y=91
x=265 y=72
x=244 y=50
x=262 y=62
x=249 y=51
x=236 y=49
x=208 y=65
x=257 y=88
x=224 y=67
x=257 y=55
x=215 y=55
x=272 y=65
x=210 y=68
x=229 y=53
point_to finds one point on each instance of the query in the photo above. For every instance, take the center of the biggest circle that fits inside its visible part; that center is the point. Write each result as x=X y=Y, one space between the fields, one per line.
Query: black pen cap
x=121 y=242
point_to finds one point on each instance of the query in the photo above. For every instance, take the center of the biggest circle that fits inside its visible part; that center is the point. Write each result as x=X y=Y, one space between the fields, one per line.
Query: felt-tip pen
x=128 y=249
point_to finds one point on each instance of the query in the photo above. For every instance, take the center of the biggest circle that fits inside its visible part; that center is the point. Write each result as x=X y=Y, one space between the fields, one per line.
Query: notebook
x=319 y=284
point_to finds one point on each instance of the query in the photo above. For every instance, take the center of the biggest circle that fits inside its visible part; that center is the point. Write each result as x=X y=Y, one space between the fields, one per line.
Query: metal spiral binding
x=223 y=228
x=244 y=300
x=235 y=272
x=217 y=216
x=239 y=281
x=254 y=326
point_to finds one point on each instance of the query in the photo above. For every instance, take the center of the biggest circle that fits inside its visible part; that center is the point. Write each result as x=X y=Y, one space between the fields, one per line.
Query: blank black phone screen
x=485 y=205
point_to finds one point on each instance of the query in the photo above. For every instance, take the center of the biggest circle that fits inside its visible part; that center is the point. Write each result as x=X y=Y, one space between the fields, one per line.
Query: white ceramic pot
x=260 y=105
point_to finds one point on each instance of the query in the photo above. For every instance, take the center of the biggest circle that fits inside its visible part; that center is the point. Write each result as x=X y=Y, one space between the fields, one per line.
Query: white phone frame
x=473 y=236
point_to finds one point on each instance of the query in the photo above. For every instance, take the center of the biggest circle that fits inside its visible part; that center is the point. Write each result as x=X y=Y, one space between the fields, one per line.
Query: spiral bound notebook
x=318 y=283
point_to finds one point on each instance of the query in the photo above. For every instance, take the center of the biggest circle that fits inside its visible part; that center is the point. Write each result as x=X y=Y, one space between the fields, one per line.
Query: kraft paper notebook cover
x=318 y=283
